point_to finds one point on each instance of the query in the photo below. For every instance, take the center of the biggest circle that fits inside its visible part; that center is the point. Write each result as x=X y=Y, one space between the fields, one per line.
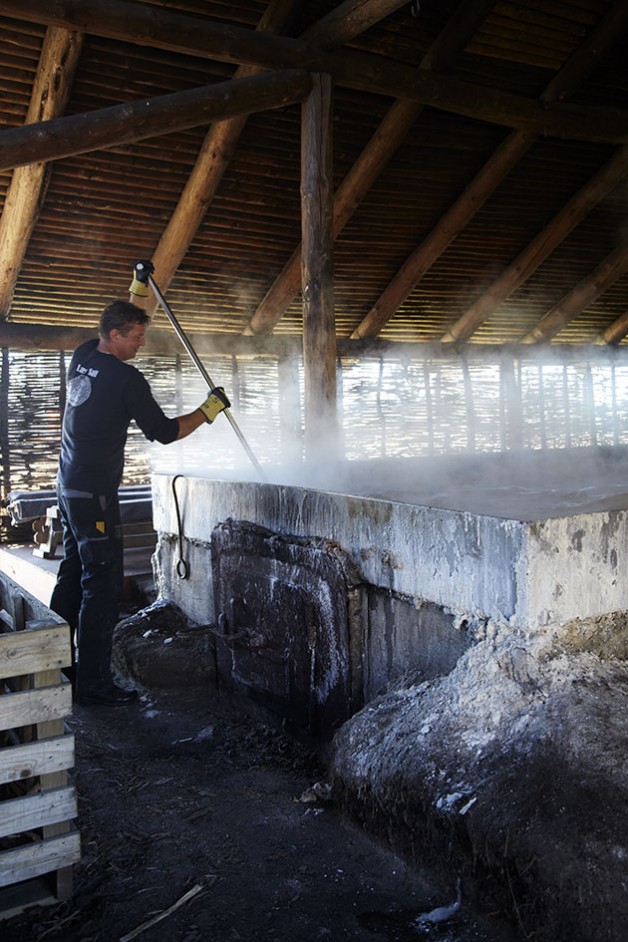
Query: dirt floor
x=198 y=823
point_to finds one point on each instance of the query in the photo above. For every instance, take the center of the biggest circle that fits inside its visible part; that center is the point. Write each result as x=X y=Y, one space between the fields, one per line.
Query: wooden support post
x=319 y=330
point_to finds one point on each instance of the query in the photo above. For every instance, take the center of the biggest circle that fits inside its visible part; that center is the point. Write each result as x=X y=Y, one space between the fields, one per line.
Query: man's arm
x=189 y=423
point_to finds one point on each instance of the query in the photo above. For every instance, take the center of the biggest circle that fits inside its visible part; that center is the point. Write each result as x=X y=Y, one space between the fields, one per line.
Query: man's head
x=122 y=328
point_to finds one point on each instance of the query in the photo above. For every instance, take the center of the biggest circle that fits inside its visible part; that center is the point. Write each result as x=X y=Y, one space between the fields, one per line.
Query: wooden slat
x=35 y=706
x=32 y=860
x=18 y=815
x=33 y=759
x=26 y=652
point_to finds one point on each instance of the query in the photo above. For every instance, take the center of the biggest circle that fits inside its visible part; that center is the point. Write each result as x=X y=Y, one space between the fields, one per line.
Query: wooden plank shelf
x=39 y=843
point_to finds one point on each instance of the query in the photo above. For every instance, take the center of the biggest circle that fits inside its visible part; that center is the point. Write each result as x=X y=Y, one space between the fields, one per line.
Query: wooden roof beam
x=162 y=29
x=213 y=159
x=221 y=140
x=387 y=138
x=134 y=121
x=615 y=332
x=540 y=247
x=488 y=179
x=348 y=20
x=159 y=342
x=613 y=267
x=55 y=73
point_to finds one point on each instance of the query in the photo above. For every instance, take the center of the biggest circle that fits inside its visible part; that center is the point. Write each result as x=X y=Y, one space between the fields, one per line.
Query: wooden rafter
x=612 y=268
x=221 y=140
x=616 y=331
x=135 y=121
x=55 y=73
x=486 y=181
x=161 y=29
x=371 y=161
x=540 y=247
x=349 y=19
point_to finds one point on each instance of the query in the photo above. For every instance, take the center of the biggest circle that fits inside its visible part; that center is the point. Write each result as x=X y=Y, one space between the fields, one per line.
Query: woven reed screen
x=389 y=406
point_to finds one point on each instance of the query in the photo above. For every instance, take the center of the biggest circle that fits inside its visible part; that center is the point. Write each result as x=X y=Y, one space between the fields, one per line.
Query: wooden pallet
x=38 y=842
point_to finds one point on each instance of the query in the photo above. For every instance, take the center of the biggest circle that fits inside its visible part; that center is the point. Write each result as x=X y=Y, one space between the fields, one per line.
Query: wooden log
x=55 y=73
x=221 y=140
x=486 y=181
x=443 y=234
x=612 y=268
x=319 y=328
x=349 y=19
x=159 y=342
x=191 y=35
x=201 y=186
x=616 y=331
x=109 y=127
x=540 y=247
x=387 y=138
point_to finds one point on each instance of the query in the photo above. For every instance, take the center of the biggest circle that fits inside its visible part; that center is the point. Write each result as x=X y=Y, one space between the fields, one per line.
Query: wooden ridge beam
x=133 y=121
x=460 y=213
x=385 y=141
x=55 y=73
x=162 y=29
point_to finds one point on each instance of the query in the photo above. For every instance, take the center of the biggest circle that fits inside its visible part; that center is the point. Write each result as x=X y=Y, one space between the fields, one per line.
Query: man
x=104 y=393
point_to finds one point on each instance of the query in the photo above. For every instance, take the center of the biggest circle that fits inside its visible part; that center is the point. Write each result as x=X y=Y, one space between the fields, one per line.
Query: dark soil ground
x=195 y=827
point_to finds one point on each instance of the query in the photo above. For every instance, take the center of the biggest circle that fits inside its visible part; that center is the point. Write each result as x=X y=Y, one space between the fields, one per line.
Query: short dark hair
x=121 y=315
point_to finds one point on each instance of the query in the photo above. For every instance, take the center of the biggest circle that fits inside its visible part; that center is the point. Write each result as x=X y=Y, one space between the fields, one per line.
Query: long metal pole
x=199 y=366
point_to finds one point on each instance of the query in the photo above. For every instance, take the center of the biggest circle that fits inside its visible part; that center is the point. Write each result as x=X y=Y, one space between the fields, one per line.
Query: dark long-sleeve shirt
x=104 y=395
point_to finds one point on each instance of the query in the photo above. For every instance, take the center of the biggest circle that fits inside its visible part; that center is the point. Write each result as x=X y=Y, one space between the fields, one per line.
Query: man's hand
x=215 y=403
x=139 y=285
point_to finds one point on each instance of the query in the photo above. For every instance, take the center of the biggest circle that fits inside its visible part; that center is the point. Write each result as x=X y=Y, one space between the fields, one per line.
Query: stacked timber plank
x=38 y=842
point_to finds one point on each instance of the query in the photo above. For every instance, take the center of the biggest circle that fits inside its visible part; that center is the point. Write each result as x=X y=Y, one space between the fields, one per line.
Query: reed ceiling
x=480 y=165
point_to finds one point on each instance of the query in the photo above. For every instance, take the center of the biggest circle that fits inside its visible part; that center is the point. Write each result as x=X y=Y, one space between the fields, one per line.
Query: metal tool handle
x=199 y=366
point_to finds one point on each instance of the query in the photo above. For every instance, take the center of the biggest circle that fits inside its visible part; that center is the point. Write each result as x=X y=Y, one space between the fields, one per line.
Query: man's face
x=126 y=346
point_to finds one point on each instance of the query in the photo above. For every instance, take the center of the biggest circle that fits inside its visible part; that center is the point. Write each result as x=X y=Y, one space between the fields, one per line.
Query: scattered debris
x=319 y=791
x=441 y=913
x=196 y=889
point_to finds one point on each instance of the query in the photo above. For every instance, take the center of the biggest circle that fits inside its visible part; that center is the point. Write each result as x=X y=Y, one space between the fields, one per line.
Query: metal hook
x=415 y=7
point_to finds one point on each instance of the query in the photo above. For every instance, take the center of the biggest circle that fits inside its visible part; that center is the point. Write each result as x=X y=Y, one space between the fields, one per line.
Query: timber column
x=317 y=273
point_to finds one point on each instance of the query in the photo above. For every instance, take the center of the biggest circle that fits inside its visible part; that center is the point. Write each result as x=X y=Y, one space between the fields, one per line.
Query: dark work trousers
x=89 y=583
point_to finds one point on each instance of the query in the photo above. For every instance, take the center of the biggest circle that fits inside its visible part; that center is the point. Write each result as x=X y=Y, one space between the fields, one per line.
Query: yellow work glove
x=216 y=402
x=139 y=285
x=138 y=288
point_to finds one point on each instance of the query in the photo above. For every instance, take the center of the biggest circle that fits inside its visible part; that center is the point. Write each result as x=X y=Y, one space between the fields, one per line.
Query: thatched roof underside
x=510 y=174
